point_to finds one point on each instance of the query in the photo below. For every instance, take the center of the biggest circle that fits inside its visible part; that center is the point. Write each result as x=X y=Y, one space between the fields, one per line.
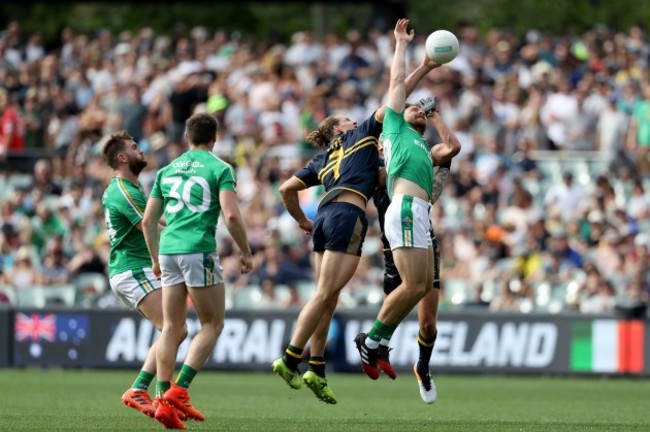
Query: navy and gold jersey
x=350 y=162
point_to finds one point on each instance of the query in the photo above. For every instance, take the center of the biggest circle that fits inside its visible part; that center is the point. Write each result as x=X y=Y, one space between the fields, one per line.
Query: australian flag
x=52 y=327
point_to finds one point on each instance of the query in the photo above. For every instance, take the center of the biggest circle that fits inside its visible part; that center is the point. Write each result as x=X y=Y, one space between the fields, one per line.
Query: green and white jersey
x=189 y=187
x=406 y=153
x=124 y=204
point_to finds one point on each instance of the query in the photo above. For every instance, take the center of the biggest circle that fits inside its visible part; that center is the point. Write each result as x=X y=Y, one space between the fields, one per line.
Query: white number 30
x=184 y=198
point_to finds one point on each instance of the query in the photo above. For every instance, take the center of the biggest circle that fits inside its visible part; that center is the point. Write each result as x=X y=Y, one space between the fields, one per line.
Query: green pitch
x=36 y=400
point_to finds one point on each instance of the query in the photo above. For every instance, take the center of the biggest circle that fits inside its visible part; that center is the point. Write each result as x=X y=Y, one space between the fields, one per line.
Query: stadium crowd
x=547 y=207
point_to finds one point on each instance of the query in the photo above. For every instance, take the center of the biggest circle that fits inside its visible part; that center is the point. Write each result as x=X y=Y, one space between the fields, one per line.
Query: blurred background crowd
x=547 y=208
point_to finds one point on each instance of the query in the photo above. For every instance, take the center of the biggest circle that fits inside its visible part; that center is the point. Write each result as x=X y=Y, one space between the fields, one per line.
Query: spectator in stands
x=53 y=270
x=12 y=137
x=494 y=81
x=638 y=139
x=600 y=296
x=34 y=119
x=561 y=106
x=22 y=274
x=43 y=178
x=564 y=198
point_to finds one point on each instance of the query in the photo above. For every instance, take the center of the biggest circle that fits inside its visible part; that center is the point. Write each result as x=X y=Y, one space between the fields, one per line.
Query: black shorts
x=340 y=227
x=392 y=278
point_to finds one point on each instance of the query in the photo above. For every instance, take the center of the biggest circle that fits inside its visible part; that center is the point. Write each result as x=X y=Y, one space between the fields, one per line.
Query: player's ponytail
x=322 y=137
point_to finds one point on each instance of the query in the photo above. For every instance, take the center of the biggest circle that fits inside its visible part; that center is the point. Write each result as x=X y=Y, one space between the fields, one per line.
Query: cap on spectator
x=642 y=240
x=199 y=33
x=533 y=36
x=158 y=140
x=23 y=254
x=542 y=68
x=596 y=216
x=580 y=51
x=611 y=236
x=495 y=233
x=122 y=48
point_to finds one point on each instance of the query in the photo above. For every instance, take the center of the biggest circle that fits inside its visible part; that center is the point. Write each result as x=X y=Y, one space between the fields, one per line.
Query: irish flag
x=607 y=346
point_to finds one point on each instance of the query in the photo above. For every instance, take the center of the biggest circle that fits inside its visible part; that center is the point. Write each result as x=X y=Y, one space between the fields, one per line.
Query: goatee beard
x=137 y=165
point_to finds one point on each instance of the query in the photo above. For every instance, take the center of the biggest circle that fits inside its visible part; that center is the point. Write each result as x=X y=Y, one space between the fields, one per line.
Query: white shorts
x=407 y=223
x=194 y=270
x=132 y=286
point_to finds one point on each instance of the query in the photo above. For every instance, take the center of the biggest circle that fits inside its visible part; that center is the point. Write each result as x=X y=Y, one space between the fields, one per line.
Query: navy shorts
x=392 y=278
x=340 y=227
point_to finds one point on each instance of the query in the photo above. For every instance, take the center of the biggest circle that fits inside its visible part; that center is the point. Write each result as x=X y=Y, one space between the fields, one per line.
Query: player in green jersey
x=409 y=166
x=347 y=166
x=192 y=191
x=129 y=264
x=428 y=306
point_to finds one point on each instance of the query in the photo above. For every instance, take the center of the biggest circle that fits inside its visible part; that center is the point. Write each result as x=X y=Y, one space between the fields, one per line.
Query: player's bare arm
x=450 y=145
x=289 y=193
x=152 y=214
x=396 y=88
x=440 y=175
x=412 y=80
x=236 y=227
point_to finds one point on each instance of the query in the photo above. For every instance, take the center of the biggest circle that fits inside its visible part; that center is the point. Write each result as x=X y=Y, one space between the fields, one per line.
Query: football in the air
x=441 y=46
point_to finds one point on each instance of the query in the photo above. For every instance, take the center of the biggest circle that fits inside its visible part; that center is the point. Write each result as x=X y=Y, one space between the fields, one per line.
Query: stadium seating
x=89 y=287
x=7 y=295
x=248 y=297
x=40 y=296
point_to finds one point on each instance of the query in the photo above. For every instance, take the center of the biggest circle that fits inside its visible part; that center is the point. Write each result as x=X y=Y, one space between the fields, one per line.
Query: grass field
x=36 y=400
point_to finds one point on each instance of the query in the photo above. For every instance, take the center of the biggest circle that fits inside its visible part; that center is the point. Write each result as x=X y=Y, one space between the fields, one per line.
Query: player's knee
x=216 y=327
x=177 y=332
x=327 y=298
x=421 y=289
x=183 y=334
x=428 y=328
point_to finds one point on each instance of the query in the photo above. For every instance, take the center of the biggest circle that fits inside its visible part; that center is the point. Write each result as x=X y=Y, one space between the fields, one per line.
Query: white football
x=441 y=46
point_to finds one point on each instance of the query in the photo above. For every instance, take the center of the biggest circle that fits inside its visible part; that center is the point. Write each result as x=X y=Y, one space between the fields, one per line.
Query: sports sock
x=292 y=357
x=376 y=333
x=162 y=387
x=317 y=365
x=426 y=348
x=185 y=376
x=142 y=381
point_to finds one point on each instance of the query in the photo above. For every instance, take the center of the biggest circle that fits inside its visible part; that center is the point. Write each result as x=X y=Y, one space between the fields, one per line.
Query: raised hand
x=427 y=62
x=401 y=31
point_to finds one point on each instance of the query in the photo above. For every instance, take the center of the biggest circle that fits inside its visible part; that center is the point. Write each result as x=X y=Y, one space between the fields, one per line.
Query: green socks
x=162 y=387
x=142 y=381
x=185 y=376
x=378 y=332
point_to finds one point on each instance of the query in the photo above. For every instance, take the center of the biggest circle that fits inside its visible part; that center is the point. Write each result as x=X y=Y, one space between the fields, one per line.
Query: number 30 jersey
x=123 y=204
x=189 y=187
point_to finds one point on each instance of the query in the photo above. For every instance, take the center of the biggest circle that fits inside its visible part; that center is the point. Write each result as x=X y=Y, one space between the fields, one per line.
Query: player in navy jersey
x=348 y=167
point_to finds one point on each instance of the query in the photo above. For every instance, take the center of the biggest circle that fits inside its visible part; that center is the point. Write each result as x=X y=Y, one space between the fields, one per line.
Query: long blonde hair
x=322 y=137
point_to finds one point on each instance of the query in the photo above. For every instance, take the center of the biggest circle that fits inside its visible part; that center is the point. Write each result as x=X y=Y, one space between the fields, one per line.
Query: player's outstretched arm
x=150 y=220
x=411 y=82
x=289 y=193
x=236 y=227
x=396 y=88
